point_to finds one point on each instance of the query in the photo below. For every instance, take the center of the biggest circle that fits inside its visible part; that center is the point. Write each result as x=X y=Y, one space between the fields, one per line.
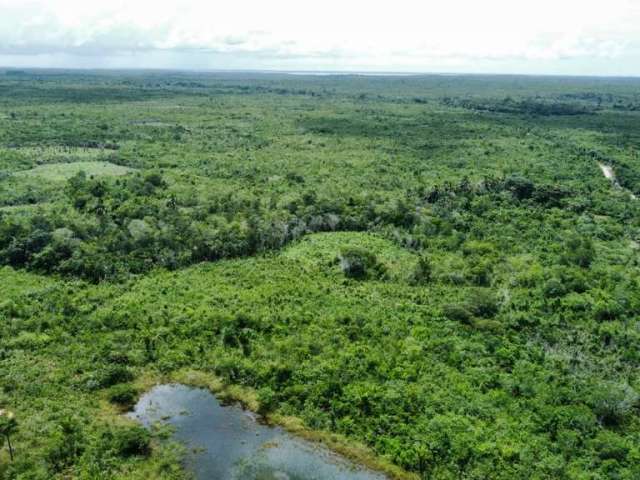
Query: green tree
x=8 y=425
x=360 y=263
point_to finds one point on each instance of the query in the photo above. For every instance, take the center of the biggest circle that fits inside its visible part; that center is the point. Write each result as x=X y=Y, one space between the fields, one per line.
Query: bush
x=579 y=251
x=132 y=440
x=613 y=402
x=66 y=444
x=520 y=187
x=360 y=264
x=267 y=400
x=474 y=247
x=610 y=446
x=422 y=272
x=607 y=309
x=458 y=313
x=109 y=376
x=117 y=374
x=155 y=179
x=554 y=288
x=488 y=325
x=124 y=395
x=479 y=272
x=109 y=444
x=483 y=303
x=29 y=340
x=480 y=303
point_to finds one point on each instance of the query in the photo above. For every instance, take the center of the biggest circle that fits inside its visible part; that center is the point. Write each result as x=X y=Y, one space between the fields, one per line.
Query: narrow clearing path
x=608 y=172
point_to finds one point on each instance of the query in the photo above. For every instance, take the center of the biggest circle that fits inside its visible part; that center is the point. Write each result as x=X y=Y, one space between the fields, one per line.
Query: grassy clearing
x=320 y=252
x=16 y=284
x=54 y=154
x=24 y=209
x=64 y=171
x=15 y=159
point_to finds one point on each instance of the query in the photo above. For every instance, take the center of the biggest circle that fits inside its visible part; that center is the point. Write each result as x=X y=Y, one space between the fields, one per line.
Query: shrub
x=422 y=272
x=117 y=374
x=109 y=376
x=610 y=446
x=474 y=247
x=458 y=313
x=479 y=272
x=118 y=441
x=579 y=251
x=480 y=303
x=267 y=400
x=359 y=263
x=613 y=402
x=554 y=288
x=124 y=395
x=132 y=440
x=155 y=179
x=140 y=231
x=483 y=303
x=488 y=325
x=29 y=340
x=607 y=309
x=66 y=444
x=520 y=187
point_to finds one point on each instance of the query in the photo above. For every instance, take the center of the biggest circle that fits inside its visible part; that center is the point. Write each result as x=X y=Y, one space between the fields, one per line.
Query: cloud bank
x=543 y=36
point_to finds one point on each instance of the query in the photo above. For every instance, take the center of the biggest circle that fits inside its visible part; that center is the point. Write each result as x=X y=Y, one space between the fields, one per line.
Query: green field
x=432 y=267
x=56 y=172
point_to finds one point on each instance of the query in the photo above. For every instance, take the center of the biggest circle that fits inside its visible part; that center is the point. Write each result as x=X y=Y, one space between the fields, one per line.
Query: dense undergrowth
x=433 y=266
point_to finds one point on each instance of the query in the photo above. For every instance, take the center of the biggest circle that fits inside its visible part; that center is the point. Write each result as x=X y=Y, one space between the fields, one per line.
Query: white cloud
x=403 y=34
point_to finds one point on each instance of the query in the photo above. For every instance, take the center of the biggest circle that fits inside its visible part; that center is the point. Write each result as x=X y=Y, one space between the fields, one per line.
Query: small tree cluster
x=361 y=264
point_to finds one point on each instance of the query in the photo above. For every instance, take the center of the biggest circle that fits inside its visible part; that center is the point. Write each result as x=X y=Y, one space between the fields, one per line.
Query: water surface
x=228 y=443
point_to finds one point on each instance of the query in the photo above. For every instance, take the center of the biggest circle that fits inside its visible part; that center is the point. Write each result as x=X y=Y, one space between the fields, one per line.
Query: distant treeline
x=526 y=106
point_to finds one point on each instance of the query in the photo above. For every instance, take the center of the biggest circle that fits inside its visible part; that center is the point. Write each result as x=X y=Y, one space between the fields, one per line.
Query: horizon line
x=314 y=72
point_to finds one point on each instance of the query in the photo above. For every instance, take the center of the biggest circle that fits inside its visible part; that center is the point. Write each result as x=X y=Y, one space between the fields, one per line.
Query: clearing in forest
x=64 y=171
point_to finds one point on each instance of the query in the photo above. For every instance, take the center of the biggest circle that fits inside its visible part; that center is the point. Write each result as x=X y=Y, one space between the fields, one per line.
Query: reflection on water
x=226 y=442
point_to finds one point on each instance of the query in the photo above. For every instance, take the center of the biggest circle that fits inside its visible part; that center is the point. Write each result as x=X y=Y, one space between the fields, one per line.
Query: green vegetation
x=65 y=171
x=434 y=267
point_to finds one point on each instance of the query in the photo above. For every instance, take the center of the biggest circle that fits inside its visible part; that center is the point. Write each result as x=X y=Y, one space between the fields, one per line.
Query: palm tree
x=8 y=425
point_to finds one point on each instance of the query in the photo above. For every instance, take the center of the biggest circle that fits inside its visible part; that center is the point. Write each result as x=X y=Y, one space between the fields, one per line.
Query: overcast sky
x=584 y=37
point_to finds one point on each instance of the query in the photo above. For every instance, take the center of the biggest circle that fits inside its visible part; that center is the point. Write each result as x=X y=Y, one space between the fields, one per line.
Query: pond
x=227 y=442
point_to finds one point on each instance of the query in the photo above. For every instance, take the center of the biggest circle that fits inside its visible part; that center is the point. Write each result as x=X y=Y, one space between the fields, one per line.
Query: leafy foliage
x=421 y=265
x=360 y=264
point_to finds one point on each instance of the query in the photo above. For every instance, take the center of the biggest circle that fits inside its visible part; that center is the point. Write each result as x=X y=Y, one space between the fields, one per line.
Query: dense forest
x=432 y=267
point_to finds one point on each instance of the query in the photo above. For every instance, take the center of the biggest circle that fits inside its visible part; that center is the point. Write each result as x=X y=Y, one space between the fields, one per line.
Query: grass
x=23 y=208
x=320 y=252
x=64 y=171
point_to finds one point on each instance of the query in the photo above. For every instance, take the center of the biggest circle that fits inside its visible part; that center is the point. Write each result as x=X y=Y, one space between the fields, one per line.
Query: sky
x=572 y=37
